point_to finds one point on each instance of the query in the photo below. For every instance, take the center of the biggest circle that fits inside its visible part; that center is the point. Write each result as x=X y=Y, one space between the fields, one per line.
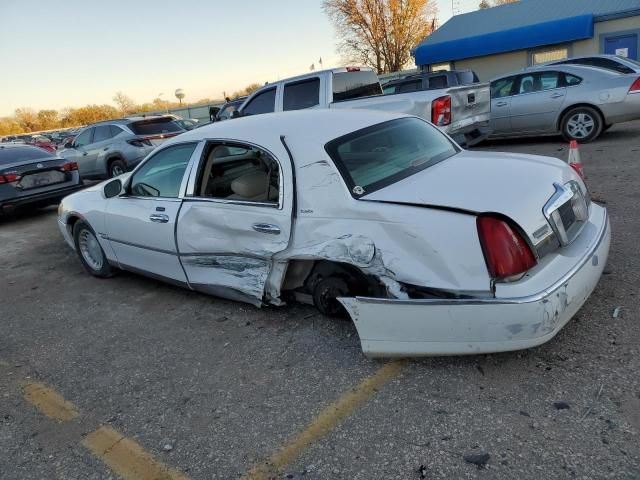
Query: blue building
x=502 y=39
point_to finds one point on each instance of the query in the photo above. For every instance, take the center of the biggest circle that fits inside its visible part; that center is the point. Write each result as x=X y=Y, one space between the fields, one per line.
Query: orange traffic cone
x=574 y=159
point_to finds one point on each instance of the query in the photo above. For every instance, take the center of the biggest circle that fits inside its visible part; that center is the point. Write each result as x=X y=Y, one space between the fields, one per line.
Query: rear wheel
x=582 y=124
x=90 y=252
x=325 y=295
x=117 y=167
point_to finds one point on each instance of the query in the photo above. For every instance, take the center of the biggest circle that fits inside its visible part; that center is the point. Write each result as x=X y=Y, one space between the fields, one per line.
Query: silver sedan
x=578 y=102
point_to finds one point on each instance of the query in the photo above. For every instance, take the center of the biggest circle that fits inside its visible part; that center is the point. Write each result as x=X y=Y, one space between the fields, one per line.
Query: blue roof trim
x=520 y=38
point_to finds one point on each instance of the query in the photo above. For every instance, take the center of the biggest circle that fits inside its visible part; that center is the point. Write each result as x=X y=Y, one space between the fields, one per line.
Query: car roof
x=567 y=68
x=127 y=120
x=321 y=125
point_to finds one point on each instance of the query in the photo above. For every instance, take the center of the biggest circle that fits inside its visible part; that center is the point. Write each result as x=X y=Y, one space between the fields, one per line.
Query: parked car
x=430 y=81
x=31 y=176
x=108 y=149
x=227 y=110
x=610 y=62
x=187 y=123
x=462 y=112
x=576 y=101
x=43 y=142
x=430 y=249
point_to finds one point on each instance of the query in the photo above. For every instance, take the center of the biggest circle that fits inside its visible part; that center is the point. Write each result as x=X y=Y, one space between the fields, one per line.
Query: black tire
x=325 y=294
x=116 y=167
x=583 y=124
x=90 y=252
x=606 y=127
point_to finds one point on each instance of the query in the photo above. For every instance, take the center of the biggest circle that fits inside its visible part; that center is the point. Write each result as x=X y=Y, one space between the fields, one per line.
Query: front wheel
x=325 y=296
x=117 y=167
x=582 y=124
x=90 y=252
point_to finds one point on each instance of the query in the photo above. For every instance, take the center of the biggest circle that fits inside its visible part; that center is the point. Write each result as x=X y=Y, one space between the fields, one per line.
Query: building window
x=549 y=55
x=441 y=66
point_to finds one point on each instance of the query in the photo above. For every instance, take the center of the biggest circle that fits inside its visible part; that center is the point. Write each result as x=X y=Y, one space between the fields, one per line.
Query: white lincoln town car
x=430 y=249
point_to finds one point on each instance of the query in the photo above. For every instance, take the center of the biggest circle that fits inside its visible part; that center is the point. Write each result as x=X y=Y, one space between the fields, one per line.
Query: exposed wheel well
x=305 y=274
x=112 y=159
x=578 y=105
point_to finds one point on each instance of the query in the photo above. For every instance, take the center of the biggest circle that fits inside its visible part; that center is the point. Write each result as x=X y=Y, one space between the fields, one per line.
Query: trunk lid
x=515 y=185
x=35 y=177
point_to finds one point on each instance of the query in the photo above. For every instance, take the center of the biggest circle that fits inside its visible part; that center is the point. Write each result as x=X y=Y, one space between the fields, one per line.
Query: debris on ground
x=616 y=312
x=524 y=414
x=561 y=405
x=422 y=470
x=479 y=459
x=167 y=447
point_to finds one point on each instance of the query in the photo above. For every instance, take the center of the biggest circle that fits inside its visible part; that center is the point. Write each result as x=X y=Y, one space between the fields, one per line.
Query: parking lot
x=198 y=387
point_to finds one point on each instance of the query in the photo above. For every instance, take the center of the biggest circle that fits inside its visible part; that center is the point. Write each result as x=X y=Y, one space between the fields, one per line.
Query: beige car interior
x=240 y=174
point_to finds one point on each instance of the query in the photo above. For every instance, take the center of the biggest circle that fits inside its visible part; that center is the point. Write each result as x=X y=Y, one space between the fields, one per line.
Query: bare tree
x=484 y=4
x=495 y=3
x=380 y=33
x=124 y=102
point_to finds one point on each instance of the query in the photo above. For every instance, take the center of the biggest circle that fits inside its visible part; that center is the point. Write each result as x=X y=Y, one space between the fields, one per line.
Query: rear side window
x=388 y=90
x=570 y=80
x=264 y=102
x=355 y=84
x=10 y=155
x=103 y=132
x=300 y=95
x=155 y=126
x=467 y=78
x=115 y=131
x=439 y=81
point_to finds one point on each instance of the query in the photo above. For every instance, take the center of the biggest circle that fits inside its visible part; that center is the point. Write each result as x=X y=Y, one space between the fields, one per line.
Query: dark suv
x=108 y=149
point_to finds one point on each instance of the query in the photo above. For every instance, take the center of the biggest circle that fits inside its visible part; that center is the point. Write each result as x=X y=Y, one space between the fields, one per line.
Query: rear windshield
x=356 y=84
x=154 y=126
x=10 y=155
x=383 y=154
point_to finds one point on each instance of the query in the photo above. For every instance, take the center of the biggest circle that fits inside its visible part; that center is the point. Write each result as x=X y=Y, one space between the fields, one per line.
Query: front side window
x=502 y=88
x=538 y=82
x=301 y=95
x=241 y=173
x=102 y=133
x=161 y=175
x=371 y=158
x=264 y=102
x=84 y=138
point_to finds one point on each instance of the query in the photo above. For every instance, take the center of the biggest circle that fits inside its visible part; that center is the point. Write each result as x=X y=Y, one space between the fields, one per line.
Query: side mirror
x=236 y=114
x=68 y=145
x=113 y=188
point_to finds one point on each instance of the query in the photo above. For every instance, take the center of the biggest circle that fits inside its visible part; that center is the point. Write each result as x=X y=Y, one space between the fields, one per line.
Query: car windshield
x=10 y=155
x=377 y=156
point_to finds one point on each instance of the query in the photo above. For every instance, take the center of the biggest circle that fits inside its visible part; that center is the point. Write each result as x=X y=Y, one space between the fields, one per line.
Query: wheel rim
x=116 y=170
x=90 y=250
x=581 y=125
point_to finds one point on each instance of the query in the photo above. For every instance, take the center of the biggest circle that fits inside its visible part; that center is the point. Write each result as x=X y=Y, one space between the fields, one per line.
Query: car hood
x=515 y=185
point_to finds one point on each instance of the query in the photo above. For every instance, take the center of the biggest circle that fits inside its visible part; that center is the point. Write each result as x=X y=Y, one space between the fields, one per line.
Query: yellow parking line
x=127 y=458
x=49 y=402
x=326 y=420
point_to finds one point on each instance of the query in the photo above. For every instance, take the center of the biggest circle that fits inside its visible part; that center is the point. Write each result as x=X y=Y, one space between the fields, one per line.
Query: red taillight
x=441 y=111
x=9 y=177
x=505 y=251
x=635 y=86
x=68 y=167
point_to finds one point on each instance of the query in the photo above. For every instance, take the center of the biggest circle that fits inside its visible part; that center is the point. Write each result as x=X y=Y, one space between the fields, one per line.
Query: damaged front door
x=236 y=219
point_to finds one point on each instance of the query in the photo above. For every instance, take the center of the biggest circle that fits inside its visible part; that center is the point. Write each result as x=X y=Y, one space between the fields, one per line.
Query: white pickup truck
x=462 y=112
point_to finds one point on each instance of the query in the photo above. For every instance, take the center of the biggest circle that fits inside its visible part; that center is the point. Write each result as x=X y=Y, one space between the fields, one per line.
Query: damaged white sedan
x=430 y=249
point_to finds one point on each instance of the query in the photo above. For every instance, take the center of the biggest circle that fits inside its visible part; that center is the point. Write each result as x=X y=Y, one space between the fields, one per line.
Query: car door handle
x=85 y=154
x=501 y=104
x=159 y=218
x=557 y=95
x=266 y=228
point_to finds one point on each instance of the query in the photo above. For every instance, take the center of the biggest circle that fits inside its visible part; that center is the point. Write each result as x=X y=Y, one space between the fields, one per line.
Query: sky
x=68 y=53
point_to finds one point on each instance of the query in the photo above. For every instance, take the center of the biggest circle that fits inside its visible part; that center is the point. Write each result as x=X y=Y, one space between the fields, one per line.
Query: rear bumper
x=625 y=111
x=405 y=328
x=10 y=205
x=471 y=136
